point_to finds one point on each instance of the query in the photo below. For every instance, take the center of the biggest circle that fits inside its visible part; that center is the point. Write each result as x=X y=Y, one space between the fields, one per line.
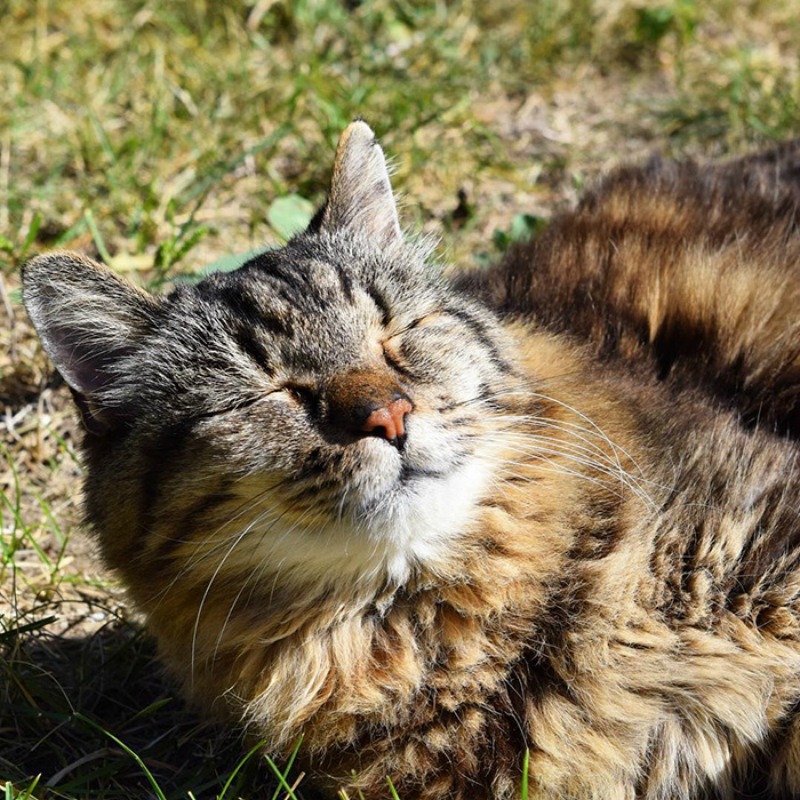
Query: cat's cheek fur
x=269 y=438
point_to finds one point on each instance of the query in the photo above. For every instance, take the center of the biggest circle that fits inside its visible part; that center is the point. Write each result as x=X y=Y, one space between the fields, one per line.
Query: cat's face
x=323 y=408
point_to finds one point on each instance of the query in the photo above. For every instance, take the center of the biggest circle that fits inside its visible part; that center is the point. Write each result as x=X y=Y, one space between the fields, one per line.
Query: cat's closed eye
x=302 y=394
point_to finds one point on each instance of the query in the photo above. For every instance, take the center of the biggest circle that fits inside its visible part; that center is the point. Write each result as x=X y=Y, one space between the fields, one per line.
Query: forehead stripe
x=252 y=347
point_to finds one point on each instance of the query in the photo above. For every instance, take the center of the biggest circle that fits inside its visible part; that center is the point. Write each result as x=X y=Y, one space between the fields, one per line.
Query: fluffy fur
x=585 y=545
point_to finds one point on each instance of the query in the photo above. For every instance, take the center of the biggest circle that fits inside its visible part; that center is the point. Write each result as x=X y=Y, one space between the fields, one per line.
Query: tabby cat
x=436 y=525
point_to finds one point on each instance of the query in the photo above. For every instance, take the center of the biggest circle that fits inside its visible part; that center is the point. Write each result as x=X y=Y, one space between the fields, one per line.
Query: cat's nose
x=389 y=421
x=369 y=402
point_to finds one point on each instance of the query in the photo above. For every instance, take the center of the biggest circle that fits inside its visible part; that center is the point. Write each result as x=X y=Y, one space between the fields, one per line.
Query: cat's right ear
x=87 y=318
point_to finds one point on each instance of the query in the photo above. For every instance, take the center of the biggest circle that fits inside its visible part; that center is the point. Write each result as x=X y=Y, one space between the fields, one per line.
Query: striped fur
x=586 y=547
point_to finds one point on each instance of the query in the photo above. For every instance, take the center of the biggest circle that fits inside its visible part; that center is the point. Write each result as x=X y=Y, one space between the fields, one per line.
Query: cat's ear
x=361 y=195
x=87 y=318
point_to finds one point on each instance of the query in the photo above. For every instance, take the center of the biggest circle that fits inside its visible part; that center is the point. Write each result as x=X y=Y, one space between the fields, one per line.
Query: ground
x=161 y=138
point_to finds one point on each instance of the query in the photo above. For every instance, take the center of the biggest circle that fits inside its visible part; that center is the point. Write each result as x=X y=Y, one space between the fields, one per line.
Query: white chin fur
x=411 y=525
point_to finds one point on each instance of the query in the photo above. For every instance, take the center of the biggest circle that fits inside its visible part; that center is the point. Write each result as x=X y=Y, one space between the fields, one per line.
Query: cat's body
x=355 y=506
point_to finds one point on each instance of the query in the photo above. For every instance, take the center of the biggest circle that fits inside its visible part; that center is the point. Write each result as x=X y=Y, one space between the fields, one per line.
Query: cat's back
x=691 y=271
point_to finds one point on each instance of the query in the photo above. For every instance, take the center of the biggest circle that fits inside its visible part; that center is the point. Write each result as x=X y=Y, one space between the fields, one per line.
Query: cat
x=538 y=516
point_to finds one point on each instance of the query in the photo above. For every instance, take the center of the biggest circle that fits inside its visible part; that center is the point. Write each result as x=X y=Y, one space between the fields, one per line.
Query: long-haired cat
x=434 y=525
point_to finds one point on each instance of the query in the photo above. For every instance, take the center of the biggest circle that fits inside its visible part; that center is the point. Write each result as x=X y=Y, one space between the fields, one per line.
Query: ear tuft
x=87 y=318
x=361 y=196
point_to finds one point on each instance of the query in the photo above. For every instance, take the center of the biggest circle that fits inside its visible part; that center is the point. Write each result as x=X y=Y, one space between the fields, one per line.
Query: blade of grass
x=97 y=237
x=289 y=764
x=250 y=753
x=392 y=790
x=132 y=753
x=526 y=763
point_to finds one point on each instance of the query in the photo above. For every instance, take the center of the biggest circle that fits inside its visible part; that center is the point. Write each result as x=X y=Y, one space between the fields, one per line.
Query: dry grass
x=157 y=137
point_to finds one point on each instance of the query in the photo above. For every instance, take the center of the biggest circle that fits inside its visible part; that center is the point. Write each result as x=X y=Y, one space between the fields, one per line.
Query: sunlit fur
x=586 y=548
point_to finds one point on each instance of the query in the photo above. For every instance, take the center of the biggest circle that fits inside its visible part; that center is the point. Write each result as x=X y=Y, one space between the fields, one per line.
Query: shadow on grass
x=64 y=698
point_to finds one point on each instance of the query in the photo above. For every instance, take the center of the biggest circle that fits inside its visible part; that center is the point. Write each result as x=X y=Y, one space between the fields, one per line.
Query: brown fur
x=695 y=270
x=615 y=589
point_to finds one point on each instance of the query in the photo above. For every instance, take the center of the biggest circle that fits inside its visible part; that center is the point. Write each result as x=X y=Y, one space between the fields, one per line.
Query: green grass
x=162 y=137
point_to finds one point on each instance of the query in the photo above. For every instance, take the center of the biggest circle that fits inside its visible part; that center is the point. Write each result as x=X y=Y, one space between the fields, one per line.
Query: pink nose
x=390 y=418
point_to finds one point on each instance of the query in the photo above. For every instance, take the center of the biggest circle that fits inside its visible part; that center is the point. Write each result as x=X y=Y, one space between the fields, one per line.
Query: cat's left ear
x=361 y=196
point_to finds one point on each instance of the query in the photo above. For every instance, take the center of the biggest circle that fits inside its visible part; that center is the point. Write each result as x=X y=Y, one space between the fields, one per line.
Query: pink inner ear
x=83 y=364
x=88 y=319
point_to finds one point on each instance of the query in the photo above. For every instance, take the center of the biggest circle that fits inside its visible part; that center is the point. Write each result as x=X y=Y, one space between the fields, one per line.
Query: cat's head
x=323 y=409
